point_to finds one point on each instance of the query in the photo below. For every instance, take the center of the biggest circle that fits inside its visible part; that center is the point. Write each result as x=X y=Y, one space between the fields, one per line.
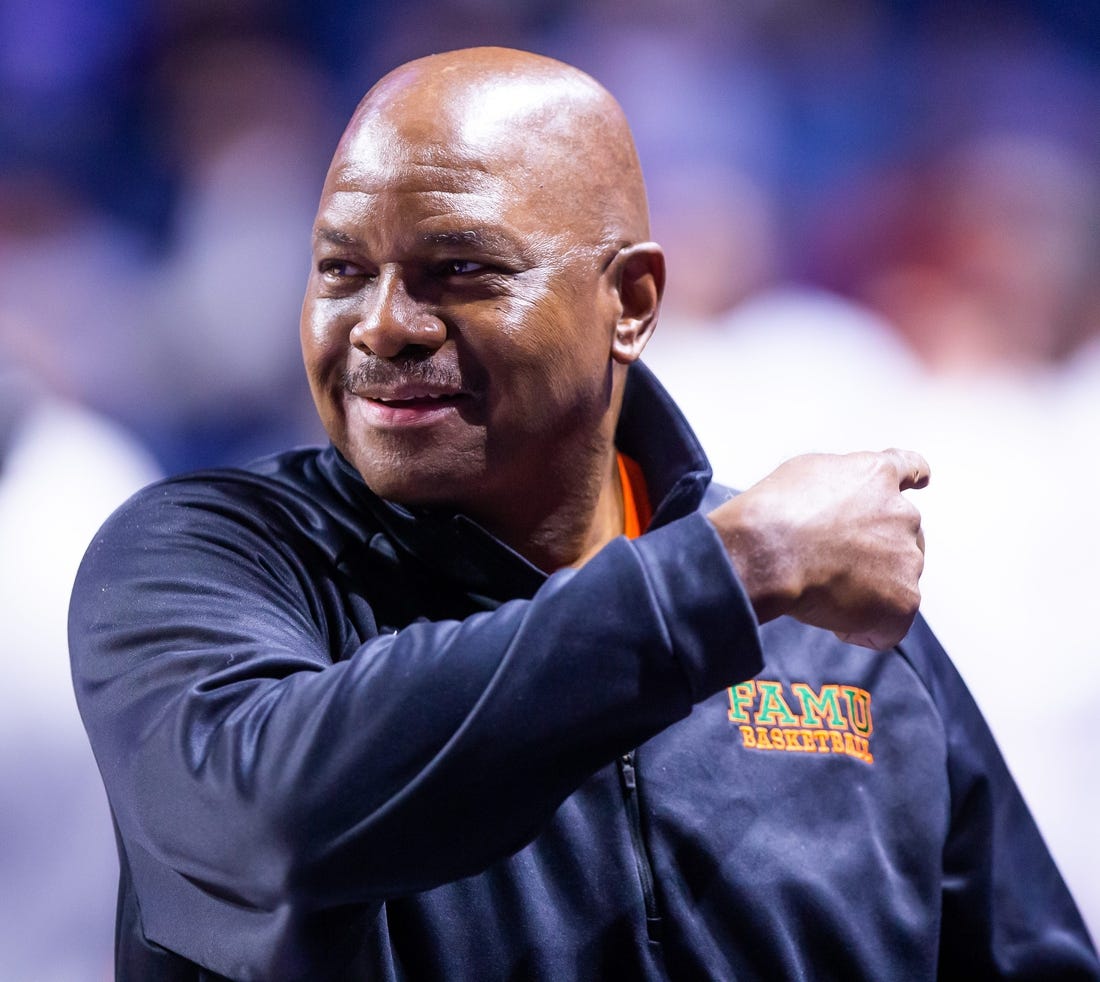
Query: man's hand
x=831 y=541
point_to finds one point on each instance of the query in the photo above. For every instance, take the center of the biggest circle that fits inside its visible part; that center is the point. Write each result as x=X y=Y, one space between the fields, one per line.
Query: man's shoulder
x=299 y=492
x=301 y=471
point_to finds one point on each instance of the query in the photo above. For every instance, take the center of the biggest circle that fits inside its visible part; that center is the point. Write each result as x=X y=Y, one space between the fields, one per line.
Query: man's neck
x=555 y=530
x=608 y=518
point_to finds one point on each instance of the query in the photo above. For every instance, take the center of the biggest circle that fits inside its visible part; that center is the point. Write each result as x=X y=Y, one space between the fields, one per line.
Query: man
x=424 y=704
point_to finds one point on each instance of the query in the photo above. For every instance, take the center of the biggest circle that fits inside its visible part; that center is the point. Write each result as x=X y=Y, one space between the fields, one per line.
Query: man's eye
x=462 y=267
x=339 y=269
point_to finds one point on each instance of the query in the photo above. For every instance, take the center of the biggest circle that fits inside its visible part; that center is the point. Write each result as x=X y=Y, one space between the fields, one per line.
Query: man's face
x=456 y=331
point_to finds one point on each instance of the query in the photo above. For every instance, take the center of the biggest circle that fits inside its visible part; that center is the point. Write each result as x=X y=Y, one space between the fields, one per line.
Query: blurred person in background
x=63 y=470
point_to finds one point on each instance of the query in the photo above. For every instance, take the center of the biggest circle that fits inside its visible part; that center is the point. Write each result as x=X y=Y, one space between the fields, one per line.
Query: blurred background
x=883 y=228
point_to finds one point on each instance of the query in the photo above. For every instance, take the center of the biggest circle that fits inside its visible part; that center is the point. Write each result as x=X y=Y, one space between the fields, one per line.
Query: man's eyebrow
x=488 y=241
x=467 y=238
x=335 y=236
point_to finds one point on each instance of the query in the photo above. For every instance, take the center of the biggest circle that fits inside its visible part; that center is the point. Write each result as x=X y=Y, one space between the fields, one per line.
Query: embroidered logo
x=834 y=720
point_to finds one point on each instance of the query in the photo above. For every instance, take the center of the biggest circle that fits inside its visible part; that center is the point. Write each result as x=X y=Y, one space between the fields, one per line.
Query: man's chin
x=417 y=488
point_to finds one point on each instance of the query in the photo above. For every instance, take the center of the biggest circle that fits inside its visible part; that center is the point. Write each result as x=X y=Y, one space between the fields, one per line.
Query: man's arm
x=237 y=753
x=205 y=676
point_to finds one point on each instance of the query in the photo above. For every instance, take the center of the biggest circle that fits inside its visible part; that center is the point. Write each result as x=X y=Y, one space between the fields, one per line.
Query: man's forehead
x=426 y=208
x=375 y=163
x=454 y=110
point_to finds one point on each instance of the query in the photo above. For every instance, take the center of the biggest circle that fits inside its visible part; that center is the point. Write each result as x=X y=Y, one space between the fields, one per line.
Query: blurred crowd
x=883 y=227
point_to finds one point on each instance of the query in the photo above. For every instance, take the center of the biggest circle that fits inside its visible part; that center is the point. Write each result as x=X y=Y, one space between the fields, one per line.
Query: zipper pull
x=626 y=764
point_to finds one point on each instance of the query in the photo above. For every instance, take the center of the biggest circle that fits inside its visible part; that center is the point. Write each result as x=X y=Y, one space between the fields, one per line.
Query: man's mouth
x=435 y=400
x=396 y=396
x=408 y=407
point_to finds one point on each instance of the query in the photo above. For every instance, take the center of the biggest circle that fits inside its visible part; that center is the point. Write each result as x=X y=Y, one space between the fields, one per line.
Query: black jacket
x=345 y=740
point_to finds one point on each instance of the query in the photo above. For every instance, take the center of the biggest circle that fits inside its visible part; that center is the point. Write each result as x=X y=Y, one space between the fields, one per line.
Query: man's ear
x=640 y=277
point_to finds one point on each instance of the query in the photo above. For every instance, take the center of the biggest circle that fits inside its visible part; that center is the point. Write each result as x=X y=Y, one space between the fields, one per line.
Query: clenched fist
x=830 y=540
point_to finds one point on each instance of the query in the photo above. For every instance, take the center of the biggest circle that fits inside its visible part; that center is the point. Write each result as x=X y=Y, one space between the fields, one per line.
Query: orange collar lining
x=636 y=510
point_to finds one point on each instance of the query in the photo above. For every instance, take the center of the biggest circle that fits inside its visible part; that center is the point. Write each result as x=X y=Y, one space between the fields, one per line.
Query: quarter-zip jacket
x=347 y=740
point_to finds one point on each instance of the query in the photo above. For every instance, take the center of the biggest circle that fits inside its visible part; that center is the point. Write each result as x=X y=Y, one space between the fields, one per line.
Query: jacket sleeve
x=248 y=770
x=1007 y=913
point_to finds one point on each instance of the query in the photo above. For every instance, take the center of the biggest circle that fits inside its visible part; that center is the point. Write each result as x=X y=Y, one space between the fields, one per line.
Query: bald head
x=553 y=129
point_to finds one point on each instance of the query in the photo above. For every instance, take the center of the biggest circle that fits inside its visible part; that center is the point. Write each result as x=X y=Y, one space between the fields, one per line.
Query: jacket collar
x=651 y=430
x=654 y=432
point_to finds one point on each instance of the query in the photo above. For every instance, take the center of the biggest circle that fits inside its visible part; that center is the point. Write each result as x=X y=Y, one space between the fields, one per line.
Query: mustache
x=393 y=372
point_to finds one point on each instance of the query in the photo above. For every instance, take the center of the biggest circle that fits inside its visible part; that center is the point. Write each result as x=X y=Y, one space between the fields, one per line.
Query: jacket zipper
x=641 y=853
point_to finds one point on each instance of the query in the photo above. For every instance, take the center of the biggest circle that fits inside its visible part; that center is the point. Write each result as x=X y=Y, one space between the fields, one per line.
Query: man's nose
x=392 y=321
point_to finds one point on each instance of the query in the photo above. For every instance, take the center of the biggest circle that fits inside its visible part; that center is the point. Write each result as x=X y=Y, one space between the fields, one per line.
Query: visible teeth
x=434 y=397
